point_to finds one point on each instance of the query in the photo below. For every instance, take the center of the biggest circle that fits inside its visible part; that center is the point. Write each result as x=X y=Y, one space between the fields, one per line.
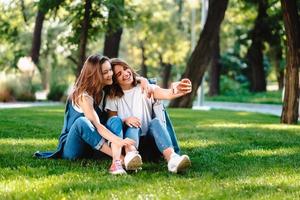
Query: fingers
x=128 y=141
x=133 y=122
x=186 y=80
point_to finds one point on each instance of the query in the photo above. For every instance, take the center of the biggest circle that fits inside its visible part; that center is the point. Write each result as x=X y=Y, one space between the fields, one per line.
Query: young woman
x=127 y=101
x=83 y=132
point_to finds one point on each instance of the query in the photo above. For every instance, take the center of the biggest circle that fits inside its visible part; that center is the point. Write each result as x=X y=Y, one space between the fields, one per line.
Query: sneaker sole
x=134 y=164
x=184 y=164
x=117 y=173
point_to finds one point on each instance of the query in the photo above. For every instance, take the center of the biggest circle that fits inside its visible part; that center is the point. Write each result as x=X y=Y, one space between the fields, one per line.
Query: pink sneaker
x=116 y=168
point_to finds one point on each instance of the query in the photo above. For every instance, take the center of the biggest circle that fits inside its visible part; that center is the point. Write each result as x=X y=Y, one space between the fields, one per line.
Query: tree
x=43 y=7
x=114 y=29
x=289 y=113
x=215 y=71
x=155 y=45
x=257 y=75
x=202 y=55
x=85 y=25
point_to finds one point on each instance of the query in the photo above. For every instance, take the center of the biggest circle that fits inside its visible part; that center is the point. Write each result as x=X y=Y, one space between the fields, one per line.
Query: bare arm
x=87 y=106
x=178 y=89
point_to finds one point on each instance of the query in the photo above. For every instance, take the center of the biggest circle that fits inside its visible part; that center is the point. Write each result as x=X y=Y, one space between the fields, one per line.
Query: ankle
x=167 y=153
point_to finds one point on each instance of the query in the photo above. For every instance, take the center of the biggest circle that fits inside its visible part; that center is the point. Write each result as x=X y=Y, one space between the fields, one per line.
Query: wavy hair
x=115 y=89
x=90 y=79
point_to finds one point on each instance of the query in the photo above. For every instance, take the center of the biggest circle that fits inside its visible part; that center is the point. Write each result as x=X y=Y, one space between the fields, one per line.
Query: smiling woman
x=83 y=132
x=128 y=102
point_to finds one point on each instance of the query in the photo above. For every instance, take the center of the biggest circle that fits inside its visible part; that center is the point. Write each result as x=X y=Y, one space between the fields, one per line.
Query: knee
x=155 y=121
x=113 y=121
x=82 y=123
x=115 y=125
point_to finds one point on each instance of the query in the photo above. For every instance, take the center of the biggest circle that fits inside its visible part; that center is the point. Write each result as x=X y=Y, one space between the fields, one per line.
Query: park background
x=238 y=51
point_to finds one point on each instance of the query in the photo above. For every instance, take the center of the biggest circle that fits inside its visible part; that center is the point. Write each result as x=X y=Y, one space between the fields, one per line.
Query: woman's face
x=107 y=73
x=123 y=75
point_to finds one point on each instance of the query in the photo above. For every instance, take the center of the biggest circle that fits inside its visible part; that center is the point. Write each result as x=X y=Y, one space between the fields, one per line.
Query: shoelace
x=118 y=164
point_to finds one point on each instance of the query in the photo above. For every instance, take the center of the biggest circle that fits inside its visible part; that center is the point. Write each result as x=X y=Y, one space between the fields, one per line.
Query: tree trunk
x=37 y=37
x=255 y=52
x=114 y=31
x=84 y=36
x=165 y=73
x=144 y=58
x=23 y=10
x=112 y=43
x=276 y=56
x=203 y=52
x=215 y=71
x=179 y=14
x=289 y=113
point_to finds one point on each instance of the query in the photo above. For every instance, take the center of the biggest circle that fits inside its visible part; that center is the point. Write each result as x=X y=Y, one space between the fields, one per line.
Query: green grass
x=235 y=155
x=270 y=97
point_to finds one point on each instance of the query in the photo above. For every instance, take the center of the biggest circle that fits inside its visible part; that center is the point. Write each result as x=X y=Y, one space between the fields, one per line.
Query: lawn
x=235 y=155
x=270 y=97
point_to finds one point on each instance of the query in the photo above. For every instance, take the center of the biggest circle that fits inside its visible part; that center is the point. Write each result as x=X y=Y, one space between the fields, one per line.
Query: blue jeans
x=115 y=125
x=160 y=134
x=156 y=130
x=82 y=139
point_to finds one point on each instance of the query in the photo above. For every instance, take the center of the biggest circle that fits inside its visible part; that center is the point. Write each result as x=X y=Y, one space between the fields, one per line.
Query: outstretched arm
x=178 y=89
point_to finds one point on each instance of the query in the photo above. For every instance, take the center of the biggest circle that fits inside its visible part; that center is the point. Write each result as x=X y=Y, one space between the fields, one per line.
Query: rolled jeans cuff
x=100 y=144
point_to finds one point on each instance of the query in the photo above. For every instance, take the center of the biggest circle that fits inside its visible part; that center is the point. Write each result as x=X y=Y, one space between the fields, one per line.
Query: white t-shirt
x=85 y=94
x=133 y=103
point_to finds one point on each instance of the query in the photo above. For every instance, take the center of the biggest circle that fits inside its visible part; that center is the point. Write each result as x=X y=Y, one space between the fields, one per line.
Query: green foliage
x=57 y=92
x=58 y=85
x=244 y=96
x=230 y=87
x=156 y=30
x=14 y=36
x=235 y=155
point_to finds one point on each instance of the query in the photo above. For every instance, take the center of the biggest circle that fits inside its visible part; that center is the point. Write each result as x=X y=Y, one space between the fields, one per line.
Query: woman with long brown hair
x=127 y=101
x=83 y=131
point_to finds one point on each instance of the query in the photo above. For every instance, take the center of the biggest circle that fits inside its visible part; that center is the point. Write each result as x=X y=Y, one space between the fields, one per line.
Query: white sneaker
x=133 y=160
x=178 y=163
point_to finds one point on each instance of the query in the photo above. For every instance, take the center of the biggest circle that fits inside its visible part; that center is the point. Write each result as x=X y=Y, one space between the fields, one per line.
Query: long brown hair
x=115 y=88
x=90 y=79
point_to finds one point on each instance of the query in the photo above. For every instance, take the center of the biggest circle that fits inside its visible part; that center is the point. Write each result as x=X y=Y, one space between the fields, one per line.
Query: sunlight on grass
x=22 y=186
x=251 y=125
x=199 y=143
x=269 y=152
x=31 y=142
x=54 y=110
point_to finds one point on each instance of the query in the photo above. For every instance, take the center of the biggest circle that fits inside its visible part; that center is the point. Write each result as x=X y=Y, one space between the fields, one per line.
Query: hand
x=124 y=142
x=128 y=142
x=133 y=122
x=182 y=87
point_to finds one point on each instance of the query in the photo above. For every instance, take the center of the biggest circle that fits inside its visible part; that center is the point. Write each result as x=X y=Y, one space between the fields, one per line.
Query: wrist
x=173 y=89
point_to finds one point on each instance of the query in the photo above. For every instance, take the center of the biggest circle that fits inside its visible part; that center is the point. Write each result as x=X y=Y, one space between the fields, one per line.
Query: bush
x=57 y=92
x=229 y=86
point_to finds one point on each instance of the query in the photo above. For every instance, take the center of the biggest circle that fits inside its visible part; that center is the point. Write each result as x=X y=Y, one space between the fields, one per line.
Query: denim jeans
x=156 y=130
x=115 y=125
x=160 y=134
x=81 y=140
